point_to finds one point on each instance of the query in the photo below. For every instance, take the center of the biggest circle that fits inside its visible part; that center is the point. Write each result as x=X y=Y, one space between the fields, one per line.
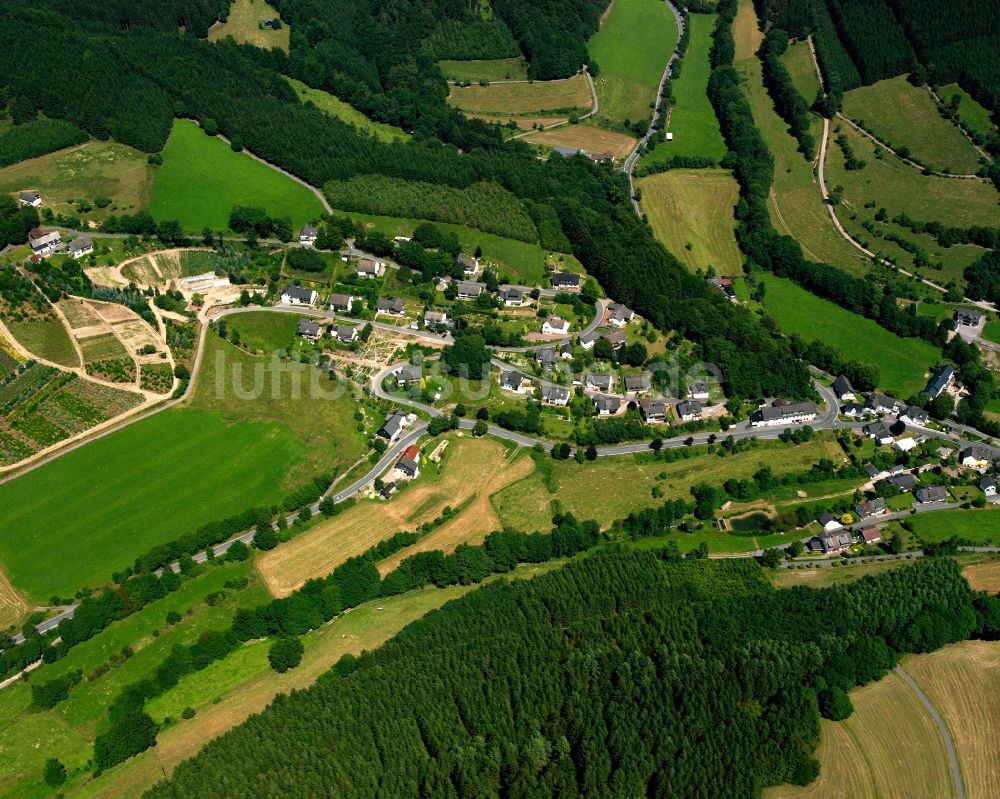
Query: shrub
x=285 y=654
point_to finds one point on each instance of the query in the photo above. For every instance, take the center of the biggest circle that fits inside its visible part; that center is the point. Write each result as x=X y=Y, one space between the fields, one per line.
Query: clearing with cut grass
x=519 y=99
x=467 y=471
x=904 y=362
x=488 y=69
x=631 y=49
x=984 y=576
x=903 y=115
x=201 y=179
x=746 y=31
x=335 y=107
x=589 y=139
x=799 y=63
x=691 y=213
x=244 y=25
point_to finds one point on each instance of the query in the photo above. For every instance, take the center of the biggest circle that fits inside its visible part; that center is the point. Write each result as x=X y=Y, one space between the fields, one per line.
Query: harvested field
x=320 y=550
x=961 y=681
x=590 y=139
x=984 y=576
x=12 y=604
x=78 y=314
x=746 y=31
x=519 y=99
x=475 y=522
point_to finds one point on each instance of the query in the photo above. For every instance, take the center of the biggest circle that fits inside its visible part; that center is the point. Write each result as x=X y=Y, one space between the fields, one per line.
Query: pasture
x=904 y=362
x=961 y=682
x=335 y=107
x=587 y=138
x=467 y=472
x=488 y=70
x=94 y=169
x=45 y=337
x=901 y=114
x=974 y=116
x=691 y=213
x=692 y=120
x=610 y=488
x=631 y=49
x=243 y=24
x=799 y=63
x=982 y=527
x=889 y=748
x=527 y=102
x=201 y=179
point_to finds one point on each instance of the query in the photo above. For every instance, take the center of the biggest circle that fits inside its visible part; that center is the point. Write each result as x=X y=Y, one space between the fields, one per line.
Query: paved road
x=956 y=774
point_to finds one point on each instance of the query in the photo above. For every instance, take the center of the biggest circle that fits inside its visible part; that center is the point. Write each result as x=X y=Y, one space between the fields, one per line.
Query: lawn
x=904 y=362
x=631 y=49
x=899 y=114
x=521 y=261
x=201 y=179
x=76 y=520
x=94 y=169
x=335 y=107
x=746 y=31
x=488 y=70
x=973 y=115
x=799 y=63
x=610 y=488
x=243 y=24
x=47 y=338
x=587 y=138
x=691 y=212
x=991 y=331
x=692 y=119
x=979 y=526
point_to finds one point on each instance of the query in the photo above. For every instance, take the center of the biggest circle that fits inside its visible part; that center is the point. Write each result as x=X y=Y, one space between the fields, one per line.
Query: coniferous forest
x=618 y=675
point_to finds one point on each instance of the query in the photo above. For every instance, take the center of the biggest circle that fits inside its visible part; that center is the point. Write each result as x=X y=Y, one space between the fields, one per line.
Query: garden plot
x=112 y=313
x=142 y=271
x=136 y=335
x=79 y=314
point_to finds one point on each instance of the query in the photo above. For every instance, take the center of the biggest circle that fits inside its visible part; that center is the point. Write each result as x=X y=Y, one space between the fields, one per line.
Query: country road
x=595 y=104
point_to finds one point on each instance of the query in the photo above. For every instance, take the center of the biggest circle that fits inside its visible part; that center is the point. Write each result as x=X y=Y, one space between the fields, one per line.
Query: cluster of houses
x=46 y=242
x=313 y=330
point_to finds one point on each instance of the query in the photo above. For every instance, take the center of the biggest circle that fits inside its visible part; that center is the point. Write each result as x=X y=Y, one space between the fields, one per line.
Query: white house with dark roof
x=940 y=380
x=607 y=406
x=637 y=384
x=436 y=319
x=931 y=494
x=911 y=414
x=79 y=247
x=555 y=395
x=308 y=235
x=309 y=329
x=369 y=268
x=555 y=325
x=566 y=281
x=782 y=414
x=44 y=242
x=389 y=305
x=698 y=390
x=587 y=340
x=653 y=410
x=469 y=289
x=298 y=295
x=988 y=486
x=599 y=382
x=514 y=296
x=878 y=431
x=411 y=373
x=394 y=425
x=880 y=403
x=566 y=350
x=341 y=302
x=470 y=265
x=843 y=389
x=968 y=317
x=346 y=334
x=31 y=199
x=512 y=380
x=619 y=315
x=546 y=357
x=689 y=410
x=975 y=458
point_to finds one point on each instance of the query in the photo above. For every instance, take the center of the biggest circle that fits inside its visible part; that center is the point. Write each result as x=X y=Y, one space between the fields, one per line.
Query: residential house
x=911 y=414
x=394 y=425
x=554 y=325
x=831 y=543
x=653 y=410
x=566 y=281
x=607 y=157
x=409 y=462
x=599 y=382
x=309 y=329
x=931 y=494
x=698 y=391
x=411 y=373
x=975 y=458
x=44 y=243
x=341 y=302
x=783 y=413
x=616 y=338
x=470 y=265
x=587 y=339
x=619 y=315
x=436 y=319
x=725 y=285
x=871 y=535
x=80 y=247
x=546 y=357
x=843 y=389
x=637 y=384
x=469 y=289
x=30 y=198
x=555 y=395
x=873 y=507
x=689 y=410
x=566 y=350
x=968 y=316
x=308 y=235
x=853 y=410
x=511 y=380
x=389 y=305
x=878 y=431
x=988 y=486
x=829 y=522
x=940 y=380
x=298 y=295
x=607 y=406
x=370 y=268
x=346 y=334
x=513 y=296
x=387 y=490
x=880 y=403
x=904 y=482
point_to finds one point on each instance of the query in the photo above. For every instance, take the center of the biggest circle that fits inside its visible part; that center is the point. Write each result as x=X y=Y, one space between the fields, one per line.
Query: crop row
x=158 y=377
x=24 y=387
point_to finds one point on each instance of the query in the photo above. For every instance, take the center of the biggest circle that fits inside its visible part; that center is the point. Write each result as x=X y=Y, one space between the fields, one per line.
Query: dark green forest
x=618 y=675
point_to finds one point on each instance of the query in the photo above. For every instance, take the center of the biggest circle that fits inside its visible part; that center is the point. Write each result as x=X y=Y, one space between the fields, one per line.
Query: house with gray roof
x=389 y=305
x=79 y=247
x=637 y=384
x=341 y=302
x=30 y=198
x=940 y=380
x=843 y=389
x=512 y=380
x=308 y=235
x=904 y=482
x=599 y=382
x=931 y=494
x=546 y=357
x=784 y=413
x=566 y=281
x=513 y=296
x=689 y=410
x=346 y=334
x=394 y=425
x=411 y=373
x=619 y=315
x=653 y=410
x=469 y=289
x=309 y=329
x=555 y=395
x=298 y=295
x=606 y=405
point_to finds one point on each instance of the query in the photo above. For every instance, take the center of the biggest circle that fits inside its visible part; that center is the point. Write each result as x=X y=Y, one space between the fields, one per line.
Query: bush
x=305 y=260
x=285 y=654
x=173 y=617
x=54 y=772
x=188 y=713
x=238 y=551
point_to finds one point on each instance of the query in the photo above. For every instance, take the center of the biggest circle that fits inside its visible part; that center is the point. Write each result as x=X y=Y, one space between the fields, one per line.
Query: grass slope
x=903 y=361
x=490 y=70
x=691 y=212
x=692 y=119
x=243 y=24
x=631 y=49
x=512 y=99
x=900 y=113
x=973 y=115
x=980 y=526
x=335 y=107
x=201 y=179
x=587 y=138
x=799 y=63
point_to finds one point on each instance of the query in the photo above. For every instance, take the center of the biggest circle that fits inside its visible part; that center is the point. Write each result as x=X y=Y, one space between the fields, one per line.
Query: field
x=78 y=313
x=610 y=488
x=899 y=114
x=984 y=576
x=102 y=347
x=827 y=576
x=974 y=116
x=489 y=70
x=961 y=681
x=523 y=262
x=504 y=100
x=243 y=24
x=631 y=49
x=102 y=506
x=319 y=551
x=889 y=748
x=691 y=212
x=746 y=32
x=979 y=526
x=201 y=179
x=587 y=138
x=335 y=107
x=47 y=338
x=692 y=120
x=94 y=169
x=903 y=361
x=798 y=61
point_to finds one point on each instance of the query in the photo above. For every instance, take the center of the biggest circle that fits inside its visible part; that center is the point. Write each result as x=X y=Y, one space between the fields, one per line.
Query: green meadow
x=201 y=179
x=335 y=107
x=904 y=361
